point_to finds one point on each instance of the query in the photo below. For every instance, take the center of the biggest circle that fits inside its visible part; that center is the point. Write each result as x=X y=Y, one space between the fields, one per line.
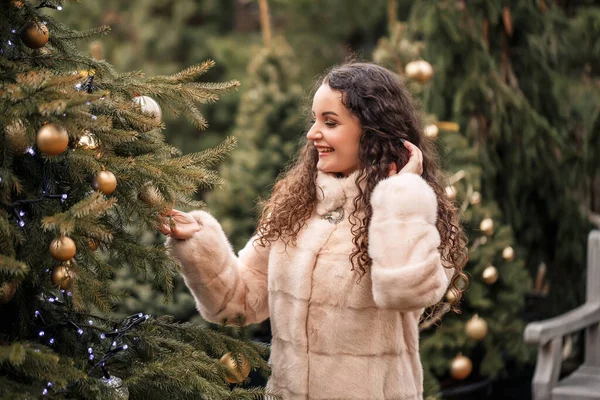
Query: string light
x=51 y=341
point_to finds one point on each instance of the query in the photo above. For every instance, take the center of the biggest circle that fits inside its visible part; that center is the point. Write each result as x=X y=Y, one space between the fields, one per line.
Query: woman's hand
x=415 y=161
x=180 y=225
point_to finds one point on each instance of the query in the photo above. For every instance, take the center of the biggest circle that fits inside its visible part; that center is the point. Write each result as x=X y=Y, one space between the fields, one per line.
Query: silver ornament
x=120 y=389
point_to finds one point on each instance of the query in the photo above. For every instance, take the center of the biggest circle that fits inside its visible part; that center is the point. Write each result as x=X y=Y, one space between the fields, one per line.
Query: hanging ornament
x=419 y=70
x=63 y=248
x=93 y=244
x=35 y=35
x=234 y=374
x=120 y=390
x=450 y=296
x=490 y=275
x=476 y=328
x=63 y=276
x=105 y=182
x=149 y=106
x=487 y=226
x=508 y=254
x=87 y=141
x=8 y=292
x=451 y=192
x=52 y=139
x=461 y=367
x=431 y=131
x=475 y=198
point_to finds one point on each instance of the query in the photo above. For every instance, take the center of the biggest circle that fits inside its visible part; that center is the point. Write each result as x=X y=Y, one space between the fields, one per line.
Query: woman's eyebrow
x=326 y=113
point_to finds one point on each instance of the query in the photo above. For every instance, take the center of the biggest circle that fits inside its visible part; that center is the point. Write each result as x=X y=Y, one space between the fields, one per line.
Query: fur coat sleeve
x=407 y=272
x=224 y=286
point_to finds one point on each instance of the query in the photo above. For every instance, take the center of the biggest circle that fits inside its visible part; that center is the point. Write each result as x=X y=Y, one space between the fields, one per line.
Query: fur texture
x=333 y=338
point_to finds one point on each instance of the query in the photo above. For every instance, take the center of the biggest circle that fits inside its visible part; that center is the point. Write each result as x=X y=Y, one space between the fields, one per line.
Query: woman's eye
x=330 y=123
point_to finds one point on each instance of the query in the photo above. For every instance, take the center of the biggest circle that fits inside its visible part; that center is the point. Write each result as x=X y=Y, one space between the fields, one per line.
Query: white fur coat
x=333 y=338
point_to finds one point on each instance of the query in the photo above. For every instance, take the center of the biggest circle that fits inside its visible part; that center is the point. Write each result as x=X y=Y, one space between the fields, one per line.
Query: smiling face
x=335 y=133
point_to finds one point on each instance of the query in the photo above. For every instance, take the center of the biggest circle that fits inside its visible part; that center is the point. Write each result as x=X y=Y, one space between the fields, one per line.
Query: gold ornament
x=476 y=328
x=105 y=182
x=8 y=291
x=234 y=374
x=149 y=106
x=448 y=126
x=63 y=276
x=63 y=248
x=487 y=226
x=475 y=198
x=419 y=70
x=461 y=367
x=508 y=253
x=451 y=192
x=52 y=139
x=450 y=296
x=87 y=141
x=490 y=275
x=35 y=35
x=431 y=131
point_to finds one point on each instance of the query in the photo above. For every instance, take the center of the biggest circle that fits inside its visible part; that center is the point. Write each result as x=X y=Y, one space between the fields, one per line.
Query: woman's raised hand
x=415 y=161
x=179 y=225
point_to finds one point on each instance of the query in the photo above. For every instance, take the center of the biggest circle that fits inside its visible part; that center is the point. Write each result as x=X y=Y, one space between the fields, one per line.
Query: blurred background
x=510 y=93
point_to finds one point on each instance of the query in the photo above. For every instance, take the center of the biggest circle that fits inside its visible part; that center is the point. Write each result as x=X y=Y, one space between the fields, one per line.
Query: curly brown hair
x=387 y=114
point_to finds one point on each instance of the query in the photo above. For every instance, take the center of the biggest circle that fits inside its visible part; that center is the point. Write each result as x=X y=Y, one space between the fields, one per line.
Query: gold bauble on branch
x=450 y=296
x=508 y=253
x=63 y=248
x=63 y=276
x=475 y=198
x=476 y=328
x=490 y=275
x=52 y=139
x=487 y=226
x=87 y=141
x=419 y=70
x=461 y=367
x=432 y=131
x=451 y=192
x=105 y=182
x=149 y=106
x=35 y=35
x=235 y=374
x=8 y=292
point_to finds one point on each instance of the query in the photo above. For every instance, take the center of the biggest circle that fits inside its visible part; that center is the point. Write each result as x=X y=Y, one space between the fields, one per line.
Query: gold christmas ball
x=93 y=244
x=476 y=328
x=105 y=182
x=234 y=374
x=431 y=131
x=17 y=3
x=35 y=35
x=149 y=106
x=461 y=367
x=87 y=141
x=490 y=275
x=63 y=276
x=8 y=290
x=52 y=139
x=451 y=192
x=508 y=253
x=419 y=70
x=63 y=248
x=487 y=226
x=450 y=296
x=475 y=198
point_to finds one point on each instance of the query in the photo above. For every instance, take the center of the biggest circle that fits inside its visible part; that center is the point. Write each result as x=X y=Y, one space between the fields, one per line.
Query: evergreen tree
x=84 y=172
x=477 y=343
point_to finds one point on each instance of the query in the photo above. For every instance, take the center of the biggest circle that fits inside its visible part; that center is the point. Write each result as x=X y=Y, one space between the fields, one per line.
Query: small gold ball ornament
x=52 y=139
x=432 y=131
x=419 y=70
x=8 y=292
x=450 y=296
x=475 y=198
x=451 y=192
x=87 y=141
x=149 y=106
x=487 y=226
x=63 y=248
x=461 y=367
x=105 y=182
x=508 y=253
x=476 y=328
x=35 y=35
x=63 y=276
x=490 y=275
x=234 y=374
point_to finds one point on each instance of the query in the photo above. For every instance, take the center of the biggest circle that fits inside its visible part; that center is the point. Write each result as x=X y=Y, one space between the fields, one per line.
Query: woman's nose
x=314 y=134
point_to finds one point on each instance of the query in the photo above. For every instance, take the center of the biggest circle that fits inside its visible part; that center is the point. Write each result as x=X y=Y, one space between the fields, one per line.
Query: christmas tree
x=475 y=344
x=84 y=172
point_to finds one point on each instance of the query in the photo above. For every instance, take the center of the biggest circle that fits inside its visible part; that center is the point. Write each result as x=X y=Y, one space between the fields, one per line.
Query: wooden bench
x=584 y=383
